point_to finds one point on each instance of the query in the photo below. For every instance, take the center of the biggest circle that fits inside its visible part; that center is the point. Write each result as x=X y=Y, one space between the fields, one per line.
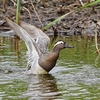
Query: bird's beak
x=68 y=46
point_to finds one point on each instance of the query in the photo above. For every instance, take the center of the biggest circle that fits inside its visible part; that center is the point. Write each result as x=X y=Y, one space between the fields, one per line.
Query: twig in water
x=96 y=40
x=97 y=60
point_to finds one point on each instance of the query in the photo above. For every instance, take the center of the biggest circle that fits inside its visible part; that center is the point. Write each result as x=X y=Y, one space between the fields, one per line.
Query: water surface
x=76 y=75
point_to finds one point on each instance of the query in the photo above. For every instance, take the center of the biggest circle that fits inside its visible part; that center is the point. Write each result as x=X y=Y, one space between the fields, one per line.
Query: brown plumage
x=39 y=59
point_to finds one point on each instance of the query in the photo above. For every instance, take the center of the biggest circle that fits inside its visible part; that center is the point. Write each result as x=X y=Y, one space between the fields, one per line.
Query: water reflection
x=75 y=77
x=42 y=87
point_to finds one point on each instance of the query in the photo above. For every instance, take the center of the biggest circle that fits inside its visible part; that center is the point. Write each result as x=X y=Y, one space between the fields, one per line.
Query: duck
x=39 y=59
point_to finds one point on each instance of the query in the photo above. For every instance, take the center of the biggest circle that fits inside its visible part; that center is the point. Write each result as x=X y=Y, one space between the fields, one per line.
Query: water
x=76 y=75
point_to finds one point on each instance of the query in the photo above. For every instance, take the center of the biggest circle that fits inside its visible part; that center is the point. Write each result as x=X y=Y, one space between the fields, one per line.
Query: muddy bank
x=82 y=22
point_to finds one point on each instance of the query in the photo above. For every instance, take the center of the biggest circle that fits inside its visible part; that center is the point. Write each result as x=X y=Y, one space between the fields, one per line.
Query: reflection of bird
x=42 y=87
x=39 y=59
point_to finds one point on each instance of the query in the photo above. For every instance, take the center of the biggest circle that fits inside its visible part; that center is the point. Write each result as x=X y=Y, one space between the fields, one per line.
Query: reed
x=18 y=11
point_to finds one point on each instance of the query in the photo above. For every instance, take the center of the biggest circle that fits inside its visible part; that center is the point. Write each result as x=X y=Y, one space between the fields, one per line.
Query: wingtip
x=9 y=22
x=6 y=19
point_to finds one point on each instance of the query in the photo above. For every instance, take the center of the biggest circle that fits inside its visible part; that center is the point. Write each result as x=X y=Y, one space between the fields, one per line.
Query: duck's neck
x=56 y=50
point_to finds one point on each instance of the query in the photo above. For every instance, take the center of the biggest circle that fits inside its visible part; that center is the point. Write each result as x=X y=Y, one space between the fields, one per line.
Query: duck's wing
x=37 y=34
x=33 y=50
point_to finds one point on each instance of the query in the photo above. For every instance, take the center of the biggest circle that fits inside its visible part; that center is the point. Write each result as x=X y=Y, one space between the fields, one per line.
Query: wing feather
x=33 y=50
x=41 y=38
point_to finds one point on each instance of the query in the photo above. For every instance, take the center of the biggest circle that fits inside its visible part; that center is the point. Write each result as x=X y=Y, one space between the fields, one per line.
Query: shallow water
x=76 y=75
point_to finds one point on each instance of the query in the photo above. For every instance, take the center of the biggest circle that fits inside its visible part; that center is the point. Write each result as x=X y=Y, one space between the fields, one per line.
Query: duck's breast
x=35 y=68
x=48 y=61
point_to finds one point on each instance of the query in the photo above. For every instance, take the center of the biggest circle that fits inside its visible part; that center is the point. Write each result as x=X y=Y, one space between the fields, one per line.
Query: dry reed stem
x=36 y=13
x=14 y=3
x=28 y=12
x=81 y=2
x=23 y=8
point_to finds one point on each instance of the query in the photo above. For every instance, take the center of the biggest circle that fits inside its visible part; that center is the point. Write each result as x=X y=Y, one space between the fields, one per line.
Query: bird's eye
x=61 y=42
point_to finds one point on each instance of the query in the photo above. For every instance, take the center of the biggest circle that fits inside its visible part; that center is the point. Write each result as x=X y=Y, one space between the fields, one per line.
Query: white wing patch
x=59 y=42
x=33 y=50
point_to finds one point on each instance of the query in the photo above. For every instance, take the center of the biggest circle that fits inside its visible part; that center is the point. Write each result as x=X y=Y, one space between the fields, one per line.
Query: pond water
x=76 y=75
